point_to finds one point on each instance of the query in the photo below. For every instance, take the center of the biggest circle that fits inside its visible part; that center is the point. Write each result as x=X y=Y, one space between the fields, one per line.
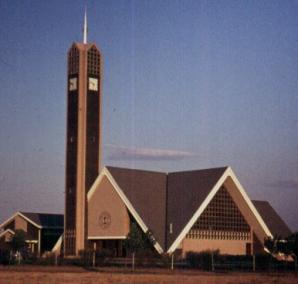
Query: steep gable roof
x=186 y=192
x=146 y=191
x=169 y=204
x=220 y=176
x=274 y=222
x=39 y=220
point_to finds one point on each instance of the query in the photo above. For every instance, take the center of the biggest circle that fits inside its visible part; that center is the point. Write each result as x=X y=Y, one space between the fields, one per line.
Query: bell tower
x=83 y=138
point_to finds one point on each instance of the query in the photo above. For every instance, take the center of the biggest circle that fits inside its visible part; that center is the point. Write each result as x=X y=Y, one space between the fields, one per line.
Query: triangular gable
x=221 y=215
x=108 y=217
x=185 y=193
x=22 y=216
x=228 y=173
x=105 y=172
x=11 y=232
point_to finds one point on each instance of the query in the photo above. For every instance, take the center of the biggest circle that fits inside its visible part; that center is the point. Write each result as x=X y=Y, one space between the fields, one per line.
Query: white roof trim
x=228 y=172
x=8 y=220
x=249 y=203
x=7 y=231
x=96 y=183
x=197 y=214
x=107 y=238
x=105 y=172
x=23 y=216
x=29 y=220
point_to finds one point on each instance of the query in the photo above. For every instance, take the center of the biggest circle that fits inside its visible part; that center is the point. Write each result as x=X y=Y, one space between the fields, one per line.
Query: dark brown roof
x=186 y=192
x=146 y=191
x=81 y=45
x=45 y=220
x=273 y=221
x=161 y=199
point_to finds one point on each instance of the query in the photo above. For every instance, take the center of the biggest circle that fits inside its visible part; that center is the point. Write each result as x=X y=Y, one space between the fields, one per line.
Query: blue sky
x=187 y=85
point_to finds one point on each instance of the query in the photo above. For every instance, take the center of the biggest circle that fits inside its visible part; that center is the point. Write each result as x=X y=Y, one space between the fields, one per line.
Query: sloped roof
x=146 y=191
x=83 y=46
x=163 y=199
x=3 y=233
x=186 y=192
x=274 y=222
x=45 y=220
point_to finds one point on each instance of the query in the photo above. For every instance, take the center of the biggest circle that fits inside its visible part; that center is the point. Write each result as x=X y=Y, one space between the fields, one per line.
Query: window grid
x=93 y=62
x=73 y=61
x=70 y=238
x=221 y=220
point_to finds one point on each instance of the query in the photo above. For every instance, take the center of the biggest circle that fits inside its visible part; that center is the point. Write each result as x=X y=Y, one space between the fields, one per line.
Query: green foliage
x=137 y=241
x=18 y=241
x=4 y=256
x=286 y=246
x=201 y=260
x=293 y=243
x=85 y=258
x=269 y=244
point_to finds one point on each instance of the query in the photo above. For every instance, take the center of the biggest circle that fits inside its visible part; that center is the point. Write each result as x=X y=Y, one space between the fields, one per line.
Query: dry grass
x=34 y=275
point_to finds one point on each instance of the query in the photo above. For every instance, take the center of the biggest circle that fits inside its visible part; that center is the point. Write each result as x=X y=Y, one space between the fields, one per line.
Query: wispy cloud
x=150 y=154
x=285 y=183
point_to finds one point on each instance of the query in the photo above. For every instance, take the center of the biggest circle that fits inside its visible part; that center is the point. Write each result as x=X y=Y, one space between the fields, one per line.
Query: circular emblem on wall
x=104 y=219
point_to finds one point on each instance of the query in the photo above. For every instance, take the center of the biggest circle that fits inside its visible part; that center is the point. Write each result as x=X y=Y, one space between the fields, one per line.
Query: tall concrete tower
x=83 y=145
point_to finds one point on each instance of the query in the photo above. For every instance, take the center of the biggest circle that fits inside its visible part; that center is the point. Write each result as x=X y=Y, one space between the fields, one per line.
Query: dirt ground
x=34 y=275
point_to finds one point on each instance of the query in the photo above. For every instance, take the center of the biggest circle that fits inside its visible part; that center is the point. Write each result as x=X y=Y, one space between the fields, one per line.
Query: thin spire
x=85 y=27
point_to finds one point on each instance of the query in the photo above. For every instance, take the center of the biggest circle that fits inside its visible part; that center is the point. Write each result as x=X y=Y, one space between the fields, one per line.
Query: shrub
x=202 y=260
x=4 y=256
x=86 y=257
x=102 y=254
x=137 y=240
x=18 y=240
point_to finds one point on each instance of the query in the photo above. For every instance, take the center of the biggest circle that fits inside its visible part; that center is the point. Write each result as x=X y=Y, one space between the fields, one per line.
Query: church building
x=197 y=210
x=185 y=211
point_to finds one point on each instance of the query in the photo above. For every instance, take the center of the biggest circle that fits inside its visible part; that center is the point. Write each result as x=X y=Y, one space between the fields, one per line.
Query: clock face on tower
x=73 y=85
x=93 y=84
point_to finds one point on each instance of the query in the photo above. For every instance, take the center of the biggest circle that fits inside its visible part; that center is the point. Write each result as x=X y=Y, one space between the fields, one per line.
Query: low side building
x=5 y=237
x=42 y=230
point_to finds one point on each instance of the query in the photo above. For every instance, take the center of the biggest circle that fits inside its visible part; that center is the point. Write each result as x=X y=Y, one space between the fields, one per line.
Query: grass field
x=33 y=275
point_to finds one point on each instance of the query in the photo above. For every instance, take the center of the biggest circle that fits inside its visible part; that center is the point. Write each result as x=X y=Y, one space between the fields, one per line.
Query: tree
x=287 y=246
x=270 y=244
x=18 y=241
x=293 y=243
x=138 y=240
